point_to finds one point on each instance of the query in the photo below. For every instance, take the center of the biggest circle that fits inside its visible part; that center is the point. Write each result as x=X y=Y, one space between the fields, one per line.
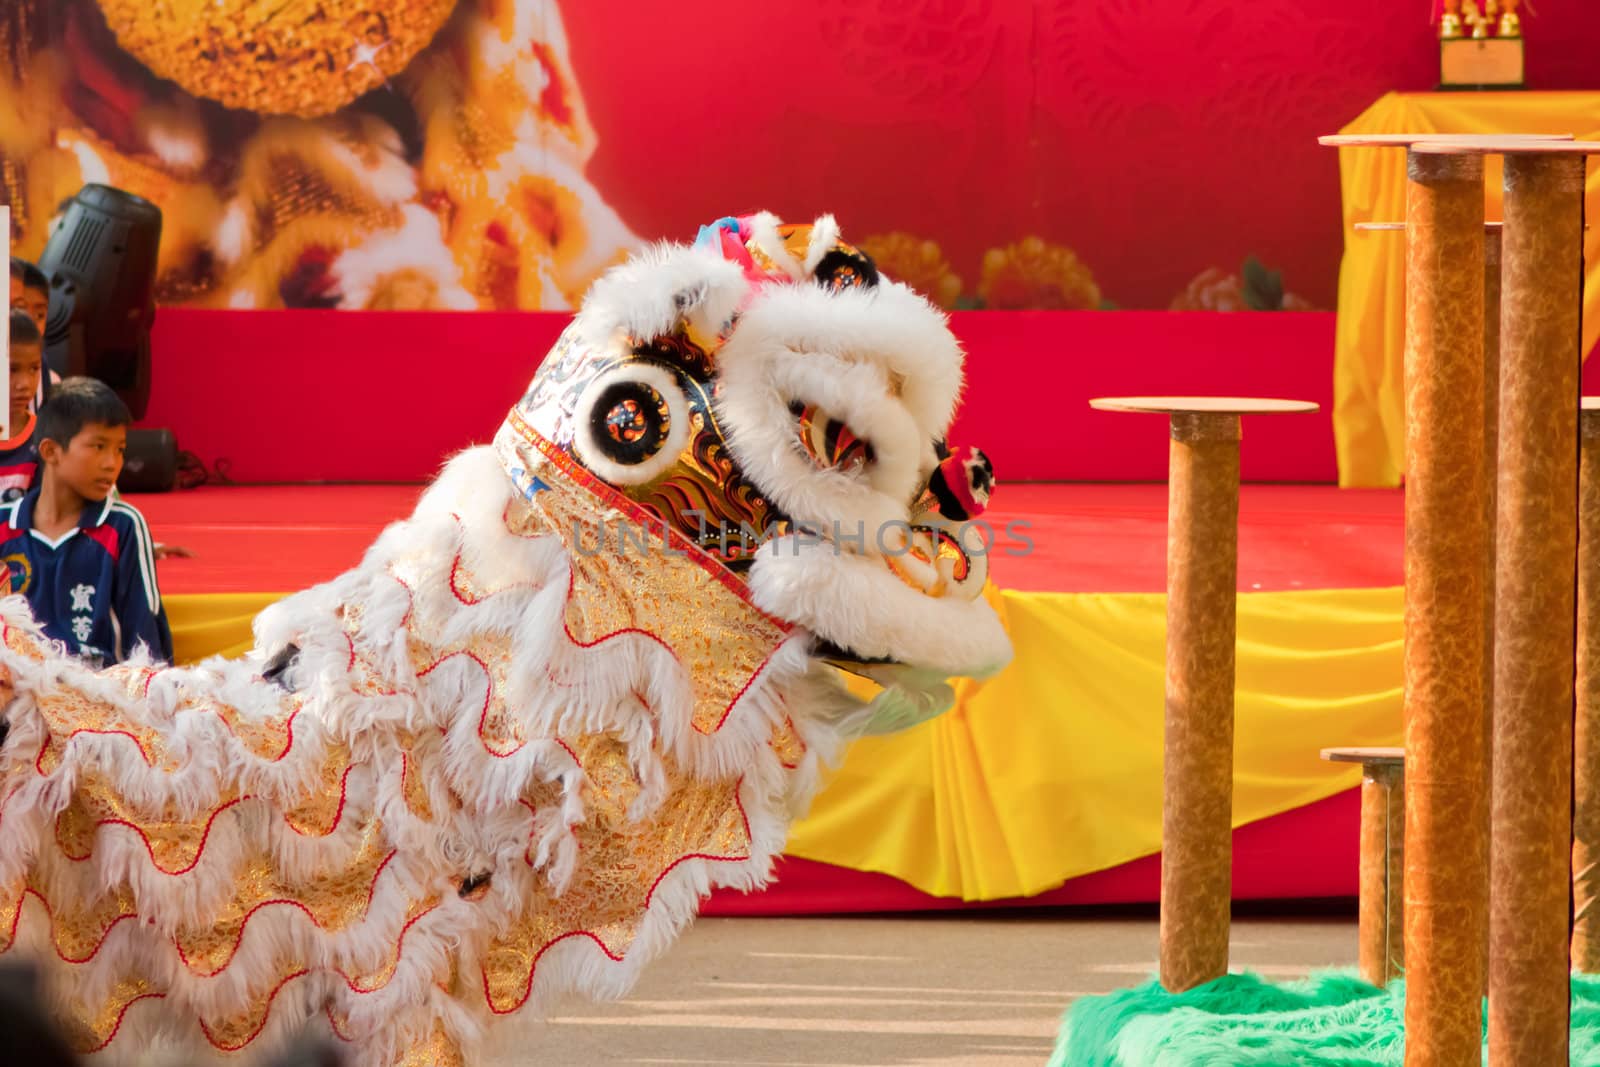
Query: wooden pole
x=1535 y=609
x=1445 y=837
x=1202 y=590
x=1586 y=735
x=1491 y=453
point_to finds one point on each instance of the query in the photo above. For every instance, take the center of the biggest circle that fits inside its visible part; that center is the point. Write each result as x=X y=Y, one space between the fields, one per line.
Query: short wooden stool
x=1383 y=825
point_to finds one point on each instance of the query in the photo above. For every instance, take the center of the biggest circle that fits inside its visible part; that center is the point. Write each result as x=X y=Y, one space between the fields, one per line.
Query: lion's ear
x=664 y=289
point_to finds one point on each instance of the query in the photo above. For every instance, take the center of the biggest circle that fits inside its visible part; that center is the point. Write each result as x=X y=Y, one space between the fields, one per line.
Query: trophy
x=1480 y=45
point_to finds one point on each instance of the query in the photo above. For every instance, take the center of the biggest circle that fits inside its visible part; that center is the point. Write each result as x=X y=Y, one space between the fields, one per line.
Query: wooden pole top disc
x=1367 y=757
x=1410 y=140
x=1201 y=405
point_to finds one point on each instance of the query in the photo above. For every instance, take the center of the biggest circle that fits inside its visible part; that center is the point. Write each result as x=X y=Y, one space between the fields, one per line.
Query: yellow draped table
x=1053 y=768
x=1368 y=393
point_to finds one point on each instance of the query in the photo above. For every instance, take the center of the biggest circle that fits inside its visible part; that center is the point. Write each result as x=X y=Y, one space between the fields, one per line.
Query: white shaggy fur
x=482 y=825
x=859 y=605
x=653 y=291
x=566 y=771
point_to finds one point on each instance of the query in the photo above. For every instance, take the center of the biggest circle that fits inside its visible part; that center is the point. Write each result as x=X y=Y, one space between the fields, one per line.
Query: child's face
x=90 y=463
x=36 y=302
x=26 y=363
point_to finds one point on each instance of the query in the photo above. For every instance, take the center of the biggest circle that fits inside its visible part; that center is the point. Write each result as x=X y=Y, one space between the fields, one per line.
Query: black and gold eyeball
x=632 y=422
x=846 y=268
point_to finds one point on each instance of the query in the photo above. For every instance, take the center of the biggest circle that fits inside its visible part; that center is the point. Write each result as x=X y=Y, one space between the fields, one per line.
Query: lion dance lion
x=378 y=154
x=593 y=676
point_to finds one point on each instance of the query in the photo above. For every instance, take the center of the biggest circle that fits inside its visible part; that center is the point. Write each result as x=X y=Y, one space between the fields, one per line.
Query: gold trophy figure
x=1510 y=24
x=1450 y=21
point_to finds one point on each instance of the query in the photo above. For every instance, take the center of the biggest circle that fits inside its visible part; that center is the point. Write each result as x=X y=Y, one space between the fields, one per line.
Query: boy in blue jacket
x=82 y=556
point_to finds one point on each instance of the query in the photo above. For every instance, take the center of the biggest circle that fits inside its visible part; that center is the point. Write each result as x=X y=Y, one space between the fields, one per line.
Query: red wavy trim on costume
x=726 y=711
x=38 y=763
x=405 y=773
x=488 y=699
x=351 y=641
x=411 y=599
x=468 y=600
x=238 y=939
x=16 y=919
x=640 y=515
x=742 y=691
x=266 y=1016
x=399 y=948
x=288 y=730
x=334 y=1025
x=199 y=852
x=527 y=990
x=534 y=967
x=338 y=814
x=121 y=1015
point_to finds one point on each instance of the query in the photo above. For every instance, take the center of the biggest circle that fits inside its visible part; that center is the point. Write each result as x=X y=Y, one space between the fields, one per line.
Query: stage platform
x=1086 y=538
x=1038 y=787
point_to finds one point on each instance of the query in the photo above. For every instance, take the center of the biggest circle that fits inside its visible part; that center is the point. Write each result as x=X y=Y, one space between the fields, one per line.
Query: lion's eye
x=830 y=443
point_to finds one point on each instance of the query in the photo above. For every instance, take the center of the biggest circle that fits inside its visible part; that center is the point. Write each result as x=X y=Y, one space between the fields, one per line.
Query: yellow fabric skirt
x=1369 y=346
x=1053 y=768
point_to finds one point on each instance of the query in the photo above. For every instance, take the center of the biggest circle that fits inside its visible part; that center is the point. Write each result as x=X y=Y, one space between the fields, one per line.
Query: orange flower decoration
x=1252 y=288
x=1214 y=289
x=916 y=262
x=1034 y=274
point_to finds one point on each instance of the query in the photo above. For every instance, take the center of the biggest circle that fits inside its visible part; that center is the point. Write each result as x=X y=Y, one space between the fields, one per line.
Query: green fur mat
x=1328 y=1020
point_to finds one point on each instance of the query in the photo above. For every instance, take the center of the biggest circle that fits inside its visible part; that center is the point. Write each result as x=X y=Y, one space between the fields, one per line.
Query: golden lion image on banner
x=362 y=154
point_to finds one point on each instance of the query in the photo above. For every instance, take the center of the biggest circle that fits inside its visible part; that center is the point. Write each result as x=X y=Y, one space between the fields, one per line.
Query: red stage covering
x=1087 y=538
x=386 y=397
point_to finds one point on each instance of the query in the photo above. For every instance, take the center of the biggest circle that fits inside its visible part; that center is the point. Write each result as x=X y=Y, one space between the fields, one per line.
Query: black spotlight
x=101 y=262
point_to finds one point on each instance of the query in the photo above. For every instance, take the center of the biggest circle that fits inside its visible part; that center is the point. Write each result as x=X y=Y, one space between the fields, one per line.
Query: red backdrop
x=1154 y=137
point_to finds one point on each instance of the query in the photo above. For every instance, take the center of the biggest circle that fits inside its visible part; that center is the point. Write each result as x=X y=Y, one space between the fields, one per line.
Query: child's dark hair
x=32 y=277
x=23 y=331
x=74 y=404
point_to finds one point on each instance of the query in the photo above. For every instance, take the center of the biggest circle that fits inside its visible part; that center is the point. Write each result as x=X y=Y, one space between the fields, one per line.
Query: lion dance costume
x=593 y=676
x=381 y=154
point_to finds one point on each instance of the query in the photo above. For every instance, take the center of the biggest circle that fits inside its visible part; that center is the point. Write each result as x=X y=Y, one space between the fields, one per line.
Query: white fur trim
x=888 y=324
x=627 y=687
x=856 y=603
x=752 y=404
x=589 y=449
x=849 y=352
x=824 y=235
x=647 y=296
x=764 y=235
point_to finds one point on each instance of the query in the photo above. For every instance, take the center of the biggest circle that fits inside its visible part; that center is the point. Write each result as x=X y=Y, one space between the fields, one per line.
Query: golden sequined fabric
x=337 y=847
x=654 y=583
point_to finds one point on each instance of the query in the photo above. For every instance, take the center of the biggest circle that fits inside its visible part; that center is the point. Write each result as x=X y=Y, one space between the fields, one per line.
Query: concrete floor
x=969 y=989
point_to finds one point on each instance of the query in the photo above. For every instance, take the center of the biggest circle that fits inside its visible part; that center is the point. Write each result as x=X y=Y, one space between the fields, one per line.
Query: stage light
x=101 y=262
